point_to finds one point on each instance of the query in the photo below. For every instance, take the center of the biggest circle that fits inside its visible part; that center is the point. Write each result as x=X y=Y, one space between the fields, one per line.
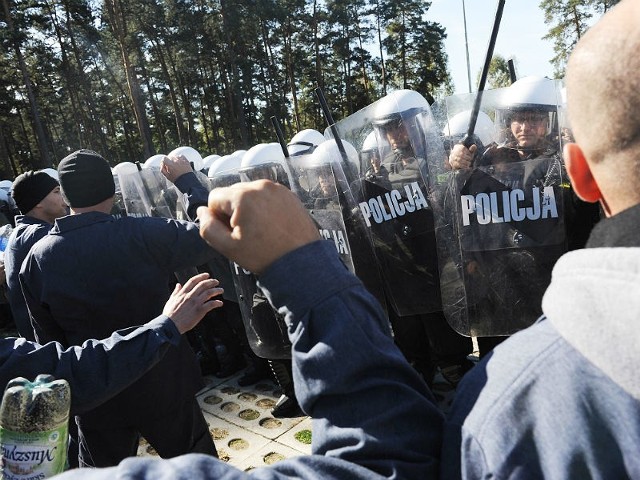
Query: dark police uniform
x=426 y=339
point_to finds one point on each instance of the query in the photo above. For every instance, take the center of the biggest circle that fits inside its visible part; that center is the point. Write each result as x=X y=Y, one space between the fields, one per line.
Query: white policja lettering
x=390 y=205
x=488 y=207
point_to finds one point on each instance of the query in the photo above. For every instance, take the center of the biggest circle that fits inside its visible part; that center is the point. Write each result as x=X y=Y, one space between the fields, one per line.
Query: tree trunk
x=44 y=160
x=382 y=65
x=118 y=21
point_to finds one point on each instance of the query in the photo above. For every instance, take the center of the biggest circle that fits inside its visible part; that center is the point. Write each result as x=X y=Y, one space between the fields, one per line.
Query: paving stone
x=269 y=454
x=290 y=438
x=233 y=442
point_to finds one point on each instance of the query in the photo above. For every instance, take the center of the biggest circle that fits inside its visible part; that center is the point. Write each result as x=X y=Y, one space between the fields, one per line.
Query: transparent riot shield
x=332 y=212
x=118 y=210
x=394 y=201
x=501 y=222
x=147 y=193
x=320 y=176
x=265 y=327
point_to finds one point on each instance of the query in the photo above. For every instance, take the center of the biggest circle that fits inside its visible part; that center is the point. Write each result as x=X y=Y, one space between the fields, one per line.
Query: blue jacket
x=373 y=416
x=27 y=232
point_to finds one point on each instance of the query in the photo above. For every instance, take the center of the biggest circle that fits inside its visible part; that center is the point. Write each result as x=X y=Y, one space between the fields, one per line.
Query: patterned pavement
x=245 y=433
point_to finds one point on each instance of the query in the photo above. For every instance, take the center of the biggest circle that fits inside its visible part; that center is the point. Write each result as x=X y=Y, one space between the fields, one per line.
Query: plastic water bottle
x=5 y=233
x=34 y=426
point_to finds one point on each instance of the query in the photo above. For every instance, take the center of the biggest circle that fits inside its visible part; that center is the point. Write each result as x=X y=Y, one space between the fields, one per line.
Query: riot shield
x=501 y=223
x=326 y=195
x=395 y=203
x=265 y=327
x=147 y=193
x=118 y=210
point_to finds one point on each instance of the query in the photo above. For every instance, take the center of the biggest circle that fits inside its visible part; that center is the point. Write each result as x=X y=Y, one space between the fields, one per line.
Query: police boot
x=287 y=405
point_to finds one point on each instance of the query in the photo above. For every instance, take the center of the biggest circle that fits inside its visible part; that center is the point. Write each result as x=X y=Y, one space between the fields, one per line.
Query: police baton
x=336 y=136
x=467 y=141
x=280 y=136
x=283 y=145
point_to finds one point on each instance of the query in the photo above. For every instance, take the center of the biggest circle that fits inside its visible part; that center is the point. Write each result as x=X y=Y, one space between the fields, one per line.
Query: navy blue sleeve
x=369 y=406
x=176 y=244
x=97 y=370
x=45 y=328
x=194 y=193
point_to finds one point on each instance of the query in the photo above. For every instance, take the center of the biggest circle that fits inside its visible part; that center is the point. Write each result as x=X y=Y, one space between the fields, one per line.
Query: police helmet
x=224 y=171
x=239 y=154
x=305 y=141
x=191 y=154
x=398 y=105
x=401 y=110
x=370 y=143
x=154 y=162
x=328 y=152
x=264 y=161
x=368 y=150
x=124 y=168
x=324 y=163
x=536 y=98
x=207 y=161
x=457 y=127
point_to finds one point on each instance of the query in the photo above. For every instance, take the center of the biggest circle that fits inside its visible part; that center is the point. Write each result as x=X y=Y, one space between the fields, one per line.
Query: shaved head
x=603 y=97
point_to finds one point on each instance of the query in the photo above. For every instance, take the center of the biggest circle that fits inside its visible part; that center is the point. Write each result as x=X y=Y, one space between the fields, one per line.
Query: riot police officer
x=265 y=327
x=507 y=261
x=403 y=122
x=371 y=162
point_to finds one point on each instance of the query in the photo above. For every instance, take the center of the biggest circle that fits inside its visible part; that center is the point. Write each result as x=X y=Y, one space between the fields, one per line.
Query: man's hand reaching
x=190 y=302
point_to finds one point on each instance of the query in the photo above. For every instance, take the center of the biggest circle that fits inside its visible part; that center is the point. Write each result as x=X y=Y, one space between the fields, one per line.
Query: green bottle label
x=33 y=455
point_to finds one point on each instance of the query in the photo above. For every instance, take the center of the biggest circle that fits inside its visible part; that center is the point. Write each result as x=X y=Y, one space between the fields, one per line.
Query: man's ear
x=580 y=174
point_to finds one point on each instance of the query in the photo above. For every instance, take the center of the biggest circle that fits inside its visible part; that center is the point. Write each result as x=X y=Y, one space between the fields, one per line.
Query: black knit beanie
x=85 y=179
x=30 y=188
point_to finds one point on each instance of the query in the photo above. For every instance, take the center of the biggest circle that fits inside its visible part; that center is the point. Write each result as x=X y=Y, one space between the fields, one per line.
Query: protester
x=561 y=399
x=37 y=195
x=40 y=201
x=373 y=416
x=93 y=274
